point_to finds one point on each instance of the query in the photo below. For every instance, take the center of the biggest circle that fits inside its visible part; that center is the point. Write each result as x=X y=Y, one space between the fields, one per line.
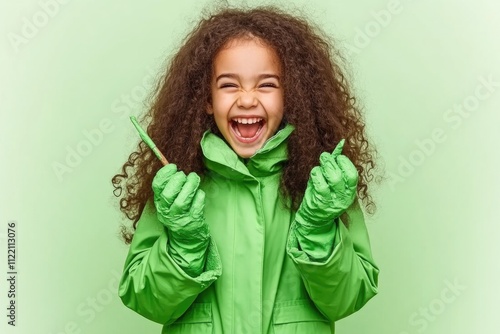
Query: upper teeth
x=247 y=120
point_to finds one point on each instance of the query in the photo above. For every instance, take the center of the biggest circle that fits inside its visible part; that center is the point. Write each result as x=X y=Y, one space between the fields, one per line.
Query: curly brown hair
x=317 y=101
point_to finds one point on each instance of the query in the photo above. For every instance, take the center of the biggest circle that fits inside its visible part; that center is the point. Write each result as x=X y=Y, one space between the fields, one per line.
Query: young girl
x=255 y=226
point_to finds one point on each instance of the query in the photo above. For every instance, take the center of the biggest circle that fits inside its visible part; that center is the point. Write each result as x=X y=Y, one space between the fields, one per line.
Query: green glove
x=179 y=204
x=330 y=190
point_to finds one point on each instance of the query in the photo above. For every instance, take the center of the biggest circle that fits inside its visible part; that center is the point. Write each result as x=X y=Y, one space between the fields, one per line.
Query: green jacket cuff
x=152 y=283
x=348 y=278
x=317 y=242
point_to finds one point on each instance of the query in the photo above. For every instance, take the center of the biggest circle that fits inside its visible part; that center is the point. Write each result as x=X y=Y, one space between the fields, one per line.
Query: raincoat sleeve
x=152 y=283
x=347 y=278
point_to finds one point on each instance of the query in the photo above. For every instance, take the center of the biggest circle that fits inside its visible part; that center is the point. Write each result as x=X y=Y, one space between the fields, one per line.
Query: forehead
x=246 y=54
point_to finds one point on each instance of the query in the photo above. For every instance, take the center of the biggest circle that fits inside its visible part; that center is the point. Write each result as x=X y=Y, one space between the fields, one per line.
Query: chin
x=245 y=154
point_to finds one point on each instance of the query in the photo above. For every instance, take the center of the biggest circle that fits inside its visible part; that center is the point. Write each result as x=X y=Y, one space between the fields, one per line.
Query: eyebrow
x=236 y=76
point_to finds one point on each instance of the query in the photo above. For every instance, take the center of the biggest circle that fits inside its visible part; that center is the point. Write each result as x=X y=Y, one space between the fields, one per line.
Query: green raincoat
x=256 y=278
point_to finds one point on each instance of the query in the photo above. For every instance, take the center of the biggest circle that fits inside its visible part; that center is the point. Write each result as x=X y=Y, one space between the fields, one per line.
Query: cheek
x=275 y=105
x=222 y=101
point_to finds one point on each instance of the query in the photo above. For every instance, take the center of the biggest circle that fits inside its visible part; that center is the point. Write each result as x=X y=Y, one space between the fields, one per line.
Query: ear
x=209 y=109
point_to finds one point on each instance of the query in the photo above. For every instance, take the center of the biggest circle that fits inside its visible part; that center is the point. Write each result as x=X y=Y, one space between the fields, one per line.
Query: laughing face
x=247 y=97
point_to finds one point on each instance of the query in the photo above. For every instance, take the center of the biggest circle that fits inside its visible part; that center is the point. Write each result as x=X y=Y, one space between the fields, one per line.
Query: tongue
x=248 y=130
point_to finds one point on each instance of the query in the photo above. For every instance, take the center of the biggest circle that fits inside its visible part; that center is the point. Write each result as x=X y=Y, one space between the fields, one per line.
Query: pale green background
x=437 y=225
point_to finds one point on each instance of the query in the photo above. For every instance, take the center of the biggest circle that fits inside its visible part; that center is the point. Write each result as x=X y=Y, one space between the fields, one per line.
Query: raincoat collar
x=218 y=156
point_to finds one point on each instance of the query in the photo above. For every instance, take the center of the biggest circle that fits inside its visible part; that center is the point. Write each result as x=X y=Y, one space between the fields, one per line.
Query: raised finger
x=338 y=149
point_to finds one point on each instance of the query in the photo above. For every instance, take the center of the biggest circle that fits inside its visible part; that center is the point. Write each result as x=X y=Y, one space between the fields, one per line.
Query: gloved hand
x=179 y=204
x=330 y=190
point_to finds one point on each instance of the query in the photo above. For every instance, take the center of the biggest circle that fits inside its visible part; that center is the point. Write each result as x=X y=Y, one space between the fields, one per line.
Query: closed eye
x=269 y=84
x=227 y=85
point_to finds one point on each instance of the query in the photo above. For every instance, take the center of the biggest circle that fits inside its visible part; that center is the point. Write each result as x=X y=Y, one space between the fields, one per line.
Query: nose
x=246 y=99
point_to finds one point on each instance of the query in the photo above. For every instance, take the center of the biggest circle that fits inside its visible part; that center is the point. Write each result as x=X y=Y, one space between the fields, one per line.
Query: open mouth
x=247 y=130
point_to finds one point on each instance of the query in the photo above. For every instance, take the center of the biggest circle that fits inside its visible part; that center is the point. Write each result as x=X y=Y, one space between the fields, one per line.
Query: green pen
x=148 y=141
